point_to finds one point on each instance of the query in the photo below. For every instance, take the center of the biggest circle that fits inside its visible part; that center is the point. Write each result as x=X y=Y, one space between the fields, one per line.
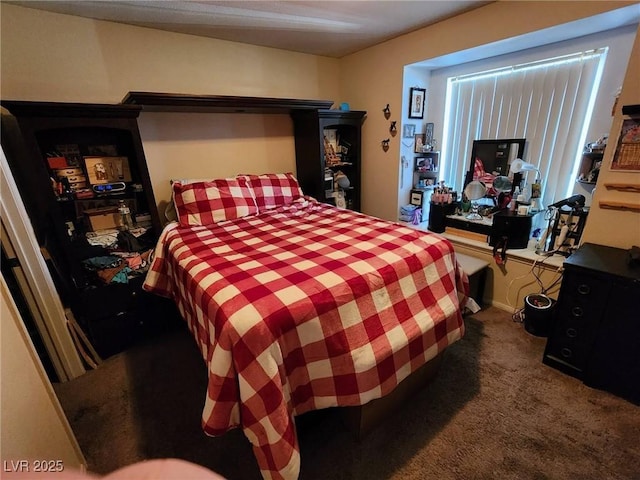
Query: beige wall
x=380 y=69
x=617 y=228
x=33 y=424
x=53 y=57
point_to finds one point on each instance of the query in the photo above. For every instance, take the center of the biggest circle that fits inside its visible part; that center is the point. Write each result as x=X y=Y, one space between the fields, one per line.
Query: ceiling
x=332 y=28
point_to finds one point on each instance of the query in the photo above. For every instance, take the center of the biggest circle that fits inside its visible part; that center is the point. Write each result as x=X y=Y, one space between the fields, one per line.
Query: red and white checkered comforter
x=306 y=307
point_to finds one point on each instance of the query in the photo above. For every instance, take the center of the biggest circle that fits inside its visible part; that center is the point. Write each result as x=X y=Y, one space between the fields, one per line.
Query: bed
x=297 y=305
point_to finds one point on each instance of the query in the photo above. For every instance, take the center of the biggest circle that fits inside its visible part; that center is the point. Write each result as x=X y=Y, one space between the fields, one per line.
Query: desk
x=502 y=224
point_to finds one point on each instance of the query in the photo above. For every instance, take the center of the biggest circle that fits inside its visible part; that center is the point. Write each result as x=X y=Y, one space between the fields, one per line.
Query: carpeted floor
x=493 y=412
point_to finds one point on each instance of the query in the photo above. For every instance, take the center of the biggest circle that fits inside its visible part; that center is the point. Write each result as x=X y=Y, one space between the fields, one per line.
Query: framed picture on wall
x=408 y=131
x=418 y=142
x=416 y=102
x=428 y=131
x=627 y=154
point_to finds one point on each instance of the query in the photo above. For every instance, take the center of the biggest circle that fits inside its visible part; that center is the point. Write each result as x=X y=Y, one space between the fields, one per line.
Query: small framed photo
x=408 y=131
x=418 y=142
x=101 y=170
x=416 y=102
x=424 y=164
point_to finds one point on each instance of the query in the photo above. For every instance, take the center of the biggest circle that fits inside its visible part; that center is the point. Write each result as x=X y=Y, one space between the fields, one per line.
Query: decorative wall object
x=419 y=142
x=416 y=102
x=408 y=131
x=393 y=129
x=385 y=144
x=386 y=111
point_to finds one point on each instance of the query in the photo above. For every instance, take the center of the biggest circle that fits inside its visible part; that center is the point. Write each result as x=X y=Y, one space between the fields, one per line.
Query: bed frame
x=362 y=419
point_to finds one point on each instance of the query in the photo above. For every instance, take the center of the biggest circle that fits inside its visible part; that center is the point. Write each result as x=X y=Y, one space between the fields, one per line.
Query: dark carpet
x=494 y=411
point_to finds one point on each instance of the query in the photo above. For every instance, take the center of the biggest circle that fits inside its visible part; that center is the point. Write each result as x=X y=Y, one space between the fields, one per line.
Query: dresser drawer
x=586 y=291
x=575 y=322
x=571 y=351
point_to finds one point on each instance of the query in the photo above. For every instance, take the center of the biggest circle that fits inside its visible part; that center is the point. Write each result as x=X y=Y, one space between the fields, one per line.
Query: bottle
x=125 y=216
x=513 y=204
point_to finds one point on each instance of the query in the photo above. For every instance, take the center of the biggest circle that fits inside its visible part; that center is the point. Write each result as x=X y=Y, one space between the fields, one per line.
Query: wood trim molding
x=175 y=102
x=20 y=108
x=619 y=205
x=625 y=187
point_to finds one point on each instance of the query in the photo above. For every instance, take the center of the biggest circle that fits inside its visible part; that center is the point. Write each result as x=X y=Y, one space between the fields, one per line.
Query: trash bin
x=538 y=309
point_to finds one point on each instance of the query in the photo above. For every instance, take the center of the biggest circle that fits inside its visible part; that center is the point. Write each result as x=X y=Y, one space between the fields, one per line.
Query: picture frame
x=408 y=131
x=425 y=164
x=419 y=142
x=416 y=102
x=103 y=170
x=428 y=131
x=627 y=155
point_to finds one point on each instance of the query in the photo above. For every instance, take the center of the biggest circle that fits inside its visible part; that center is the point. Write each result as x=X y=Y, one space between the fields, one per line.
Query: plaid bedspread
x=306 y=307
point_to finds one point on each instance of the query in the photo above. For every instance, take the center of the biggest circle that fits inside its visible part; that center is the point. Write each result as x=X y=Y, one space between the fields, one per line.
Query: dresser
x=596 y=326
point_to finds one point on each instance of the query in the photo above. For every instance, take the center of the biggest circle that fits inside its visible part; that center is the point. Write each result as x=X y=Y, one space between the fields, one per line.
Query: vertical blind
x=547 y=102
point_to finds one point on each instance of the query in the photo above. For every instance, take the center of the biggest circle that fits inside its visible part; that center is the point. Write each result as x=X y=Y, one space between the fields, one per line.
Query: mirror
x=475 y=190
x=494 y=156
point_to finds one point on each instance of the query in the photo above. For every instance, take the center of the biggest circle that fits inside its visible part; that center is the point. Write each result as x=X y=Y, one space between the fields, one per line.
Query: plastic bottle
x=526 y=194
x=126 y=222
x=513 y=205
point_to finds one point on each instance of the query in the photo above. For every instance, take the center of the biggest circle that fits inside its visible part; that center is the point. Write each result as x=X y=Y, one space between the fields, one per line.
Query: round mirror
x=502 y=184
x=475 y=190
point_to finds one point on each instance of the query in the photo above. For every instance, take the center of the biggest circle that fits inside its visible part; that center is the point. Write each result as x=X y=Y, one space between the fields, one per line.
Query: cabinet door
x=614 y=363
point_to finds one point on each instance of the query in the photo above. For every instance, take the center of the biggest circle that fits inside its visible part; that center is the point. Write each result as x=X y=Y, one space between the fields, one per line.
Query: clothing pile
x=118 y=267
x=410 y=213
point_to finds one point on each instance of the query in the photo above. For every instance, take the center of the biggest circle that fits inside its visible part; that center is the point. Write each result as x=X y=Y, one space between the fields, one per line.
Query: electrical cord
x=536 y=267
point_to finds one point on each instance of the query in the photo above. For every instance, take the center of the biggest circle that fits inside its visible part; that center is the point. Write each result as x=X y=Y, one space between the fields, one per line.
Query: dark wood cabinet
x=317 y=166
x=596 y=329
x=39 y=138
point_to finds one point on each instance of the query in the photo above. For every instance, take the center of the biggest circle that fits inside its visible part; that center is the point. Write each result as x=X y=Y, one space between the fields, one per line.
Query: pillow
x=273 y=190
x=206 y=203
x=170 y=213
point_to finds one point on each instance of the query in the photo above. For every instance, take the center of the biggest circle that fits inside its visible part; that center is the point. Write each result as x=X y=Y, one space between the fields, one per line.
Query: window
x=548 y=102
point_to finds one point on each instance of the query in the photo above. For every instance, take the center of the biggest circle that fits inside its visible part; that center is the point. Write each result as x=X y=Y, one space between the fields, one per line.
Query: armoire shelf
x=314 y=169
x=38 y=137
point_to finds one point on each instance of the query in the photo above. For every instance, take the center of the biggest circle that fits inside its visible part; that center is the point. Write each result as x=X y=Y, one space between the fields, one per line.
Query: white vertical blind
x=547 y=102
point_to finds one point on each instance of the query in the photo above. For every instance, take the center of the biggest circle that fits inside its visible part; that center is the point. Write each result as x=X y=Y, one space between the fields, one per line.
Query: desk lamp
x=519 y=166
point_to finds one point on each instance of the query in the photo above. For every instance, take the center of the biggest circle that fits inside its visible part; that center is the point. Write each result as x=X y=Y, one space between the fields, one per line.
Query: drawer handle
x=572 y=332
x=577 y=311
x=584 y=289
x=566 y=352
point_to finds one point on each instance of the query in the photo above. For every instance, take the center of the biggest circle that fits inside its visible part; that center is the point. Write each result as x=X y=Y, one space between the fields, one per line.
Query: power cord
x=536 y=267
